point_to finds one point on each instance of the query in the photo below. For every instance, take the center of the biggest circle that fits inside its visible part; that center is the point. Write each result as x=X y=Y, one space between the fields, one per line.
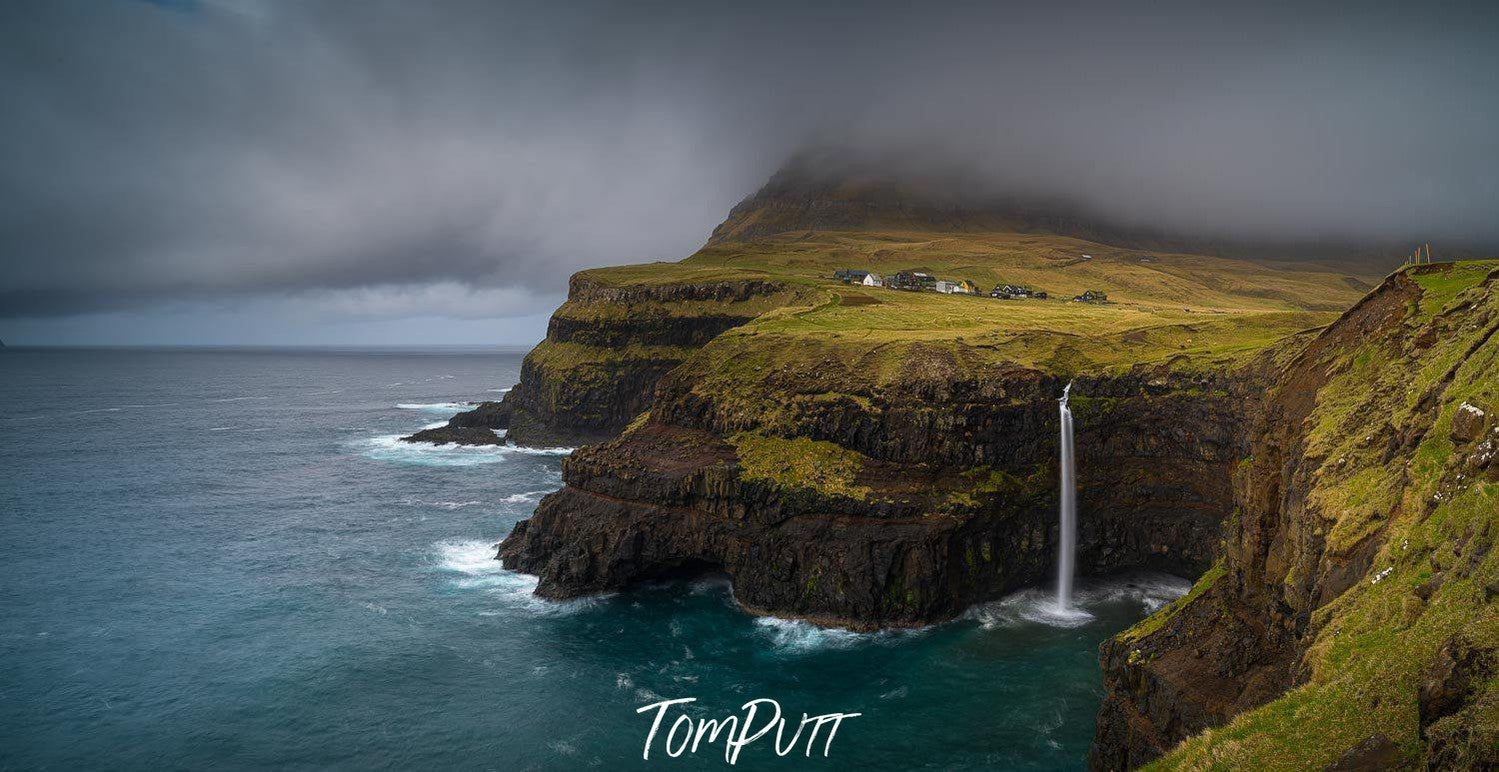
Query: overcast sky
x=244 y=171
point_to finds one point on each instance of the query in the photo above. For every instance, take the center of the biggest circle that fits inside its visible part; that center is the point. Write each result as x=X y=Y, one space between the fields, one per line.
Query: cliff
x=620 y=330
x=895 y=508
x=1351 y=619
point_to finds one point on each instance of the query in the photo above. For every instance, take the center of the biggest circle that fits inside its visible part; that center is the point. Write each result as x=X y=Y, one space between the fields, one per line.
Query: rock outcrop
x=477 y=426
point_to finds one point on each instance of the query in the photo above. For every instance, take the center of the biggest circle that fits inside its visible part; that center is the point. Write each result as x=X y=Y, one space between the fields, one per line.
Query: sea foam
x=529 y=497
x=1037 y=606
x=389 y=447
x=435 y=407
x=795 y=636
x=474 y=564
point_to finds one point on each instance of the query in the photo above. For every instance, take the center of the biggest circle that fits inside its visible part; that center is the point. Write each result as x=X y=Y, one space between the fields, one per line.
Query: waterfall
x=1067 y=509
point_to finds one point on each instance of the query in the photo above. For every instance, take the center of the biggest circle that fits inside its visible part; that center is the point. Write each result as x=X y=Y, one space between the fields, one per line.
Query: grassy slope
x=1373 y=641
x=1188 y=311
x=1184 y=310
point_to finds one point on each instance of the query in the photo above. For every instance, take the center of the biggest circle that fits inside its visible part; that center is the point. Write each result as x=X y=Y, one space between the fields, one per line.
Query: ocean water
x=222 y=558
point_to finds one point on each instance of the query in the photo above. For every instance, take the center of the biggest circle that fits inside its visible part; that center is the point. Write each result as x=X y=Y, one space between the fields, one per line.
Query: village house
x=911 y=280
x=1091 y=296
x=946 y=287
x=967 y=287
x=1012 y=291
x=873 y=280
x=850 y=275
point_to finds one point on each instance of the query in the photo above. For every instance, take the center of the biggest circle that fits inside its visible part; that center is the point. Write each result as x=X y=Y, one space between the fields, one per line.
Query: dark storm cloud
x=366 y=155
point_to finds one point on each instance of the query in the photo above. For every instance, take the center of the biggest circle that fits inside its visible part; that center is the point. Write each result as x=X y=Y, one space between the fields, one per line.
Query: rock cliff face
x=1358 y=563
x=950 y=496
x=605 y=349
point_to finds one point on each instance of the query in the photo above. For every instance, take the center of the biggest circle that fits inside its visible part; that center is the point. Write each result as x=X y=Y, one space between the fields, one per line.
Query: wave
x=1038 y=606
x=455 y=505
x=389 y=447
x=799 y=637
x=115 y=409
x=435 y=407
x=529 y=497
x=501 y=391
x=474 y=563
x=450 y=506
x=1150 y=590
x=1033 y=606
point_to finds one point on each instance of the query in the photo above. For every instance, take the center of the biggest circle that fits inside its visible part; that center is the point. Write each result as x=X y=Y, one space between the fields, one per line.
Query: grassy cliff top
x=1056 y=264
x=1164 y=306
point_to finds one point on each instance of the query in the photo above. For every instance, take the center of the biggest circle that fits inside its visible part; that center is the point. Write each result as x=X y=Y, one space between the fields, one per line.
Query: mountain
x=834 y=190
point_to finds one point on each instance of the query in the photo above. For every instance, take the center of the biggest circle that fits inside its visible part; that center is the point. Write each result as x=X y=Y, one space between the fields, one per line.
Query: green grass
x=573 y=356
x=1439 y=287
x=1188 y=311
x=800 y=464
x=1155 y=621
x=1049 y=263
x=1367 y=660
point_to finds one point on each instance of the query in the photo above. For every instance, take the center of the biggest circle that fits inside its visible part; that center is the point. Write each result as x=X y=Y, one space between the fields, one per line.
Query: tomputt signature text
x=685 y=734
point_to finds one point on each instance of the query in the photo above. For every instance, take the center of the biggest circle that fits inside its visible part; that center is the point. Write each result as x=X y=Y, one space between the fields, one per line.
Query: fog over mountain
x=250 y=171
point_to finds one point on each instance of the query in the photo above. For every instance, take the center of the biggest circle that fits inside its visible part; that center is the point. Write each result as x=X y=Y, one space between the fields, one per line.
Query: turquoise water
x=221 y=558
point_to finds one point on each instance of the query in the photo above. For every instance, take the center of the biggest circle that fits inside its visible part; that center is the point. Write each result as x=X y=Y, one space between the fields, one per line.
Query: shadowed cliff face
x=1359 y=557
x=950 y=500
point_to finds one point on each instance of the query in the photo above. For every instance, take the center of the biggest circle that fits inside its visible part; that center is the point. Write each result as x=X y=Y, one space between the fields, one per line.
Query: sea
x=224 y=558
